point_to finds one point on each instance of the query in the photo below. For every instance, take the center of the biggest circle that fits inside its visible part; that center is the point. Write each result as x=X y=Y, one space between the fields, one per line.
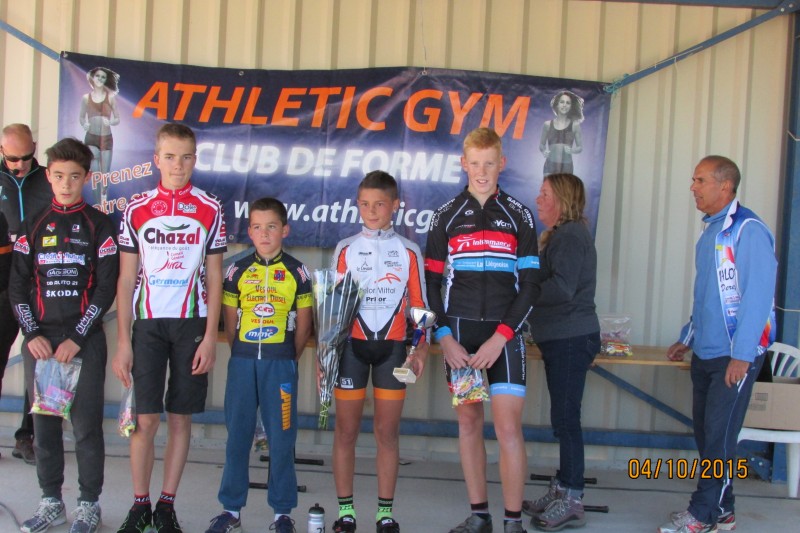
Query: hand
x=85 y=126
x=417 y=361
x=204 y=357
x=454 y=354
x=546 y=153
x=736 y=371
x=489 y=351
x=40 y=348
x=106 y=122
x=66 y=351
x=567 y=150
x=122 y=363
x=677 y=351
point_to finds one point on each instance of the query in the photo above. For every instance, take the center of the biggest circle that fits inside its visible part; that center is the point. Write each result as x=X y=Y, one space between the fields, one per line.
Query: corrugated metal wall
x=729 y=100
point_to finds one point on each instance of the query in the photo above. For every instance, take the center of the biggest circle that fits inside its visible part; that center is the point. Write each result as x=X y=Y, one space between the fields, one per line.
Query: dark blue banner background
x=308 y=137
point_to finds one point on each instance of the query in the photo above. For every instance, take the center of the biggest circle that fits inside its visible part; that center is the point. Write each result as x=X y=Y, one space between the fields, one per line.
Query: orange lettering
x=347 y=106
x=213 y=101
x=284 y=103
x=363 y=103
x=249 y=109
x=155 y=98
x=459 y=111
x=494 y=110
x=322 y=103
x=431 y=112
x=189 y=90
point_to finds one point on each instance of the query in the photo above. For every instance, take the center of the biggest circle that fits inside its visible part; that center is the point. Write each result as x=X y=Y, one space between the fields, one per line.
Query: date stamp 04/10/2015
x=687 y=468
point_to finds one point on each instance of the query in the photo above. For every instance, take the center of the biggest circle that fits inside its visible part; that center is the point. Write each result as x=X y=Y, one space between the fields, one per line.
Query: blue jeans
x=718 y=413
x=271 y=384
x=566 y=362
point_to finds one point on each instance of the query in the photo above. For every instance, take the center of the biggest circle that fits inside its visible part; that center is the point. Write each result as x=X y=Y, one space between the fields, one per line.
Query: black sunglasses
x=15 y=159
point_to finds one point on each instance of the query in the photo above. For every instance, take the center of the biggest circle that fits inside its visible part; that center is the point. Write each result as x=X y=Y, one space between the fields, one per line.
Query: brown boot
x=24 y=450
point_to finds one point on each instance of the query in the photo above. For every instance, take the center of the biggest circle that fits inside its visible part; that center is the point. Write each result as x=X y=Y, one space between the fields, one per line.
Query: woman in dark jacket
x=567 y=331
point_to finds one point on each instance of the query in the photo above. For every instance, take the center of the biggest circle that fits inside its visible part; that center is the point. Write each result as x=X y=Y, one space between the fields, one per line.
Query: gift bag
x=54 y=386
x=615 y=335
x=126 y=419
x=467 y=386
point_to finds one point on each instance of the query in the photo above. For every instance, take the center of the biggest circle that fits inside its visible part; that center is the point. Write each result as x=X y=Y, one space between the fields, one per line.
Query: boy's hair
x=176 y=131
x=271 y=204
x=482 y=138
x=70 y=149
x=378 y=179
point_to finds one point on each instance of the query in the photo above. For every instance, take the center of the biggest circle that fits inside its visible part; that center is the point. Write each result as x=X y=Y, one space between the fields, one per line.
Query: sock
x=166 y=499
x=278 y=515
x=143 y=499
x=512 y=516
x=481 y=509
x=234 y=514
x=384 y=508
x=346 y=506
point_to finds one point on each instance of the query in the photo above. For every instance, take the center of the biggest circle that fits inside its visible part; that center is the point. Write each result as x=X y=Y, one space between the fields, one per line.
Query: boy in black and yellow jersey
x=266 y=302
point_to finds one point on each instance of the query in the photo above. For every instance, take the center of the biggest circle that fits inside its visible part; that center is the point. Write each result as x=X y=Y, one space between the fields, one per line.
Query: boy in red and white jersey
x=170 y=287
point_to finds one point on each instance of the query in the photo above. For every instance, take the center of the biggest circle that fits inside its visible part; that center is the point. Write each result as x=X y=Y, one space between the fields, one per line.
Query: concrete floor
x=430 y=495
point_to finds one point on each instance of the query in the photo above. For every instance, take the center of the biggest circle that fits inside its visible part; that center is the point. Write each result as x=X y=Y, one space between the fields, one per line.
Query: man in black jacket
x=24 y=191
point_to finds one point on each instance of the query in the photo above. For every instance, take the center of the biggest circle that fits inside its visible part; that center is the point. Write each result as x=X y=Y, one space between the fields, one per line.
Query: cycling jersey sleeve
x=528 y=274
x=20 y=284
x=435 y=259
x=106 y=276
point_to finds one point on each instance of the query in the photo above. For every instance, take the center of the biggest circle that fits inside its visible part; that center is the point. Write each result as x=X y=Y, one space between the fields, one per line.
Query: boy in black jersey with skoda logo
x=266 y=303
x=63 y=280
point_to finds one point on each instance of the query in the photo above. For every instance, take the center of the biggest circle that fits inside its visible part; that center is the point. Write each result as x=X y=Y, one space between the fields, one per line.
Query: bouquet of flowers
x=337 y=298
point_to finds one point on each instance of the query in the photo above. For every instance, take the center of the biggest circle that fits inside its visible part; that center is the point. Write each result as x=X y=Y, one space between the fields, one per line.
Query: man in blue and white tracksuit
x=732 y=324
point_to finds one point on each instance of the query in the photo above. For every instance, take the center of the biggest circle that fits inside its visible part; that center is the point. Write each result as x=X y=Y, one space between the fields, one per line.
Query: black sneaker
x=345 y=524
x=225 y=523
x=165 y=520
x=139 y=520
x=387 y=525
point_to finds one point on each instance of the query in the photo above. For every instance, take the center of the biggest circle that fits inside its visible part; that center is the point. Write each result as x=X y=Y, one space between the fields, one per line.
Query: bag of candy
x=126 y=419
x=54 y=387
x=467 y=386
x=615 y=335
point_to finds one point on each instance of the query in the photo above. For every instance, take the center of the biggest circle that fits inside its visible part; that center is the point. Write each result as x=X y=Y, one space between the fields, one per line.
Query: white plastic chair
x=785 y=363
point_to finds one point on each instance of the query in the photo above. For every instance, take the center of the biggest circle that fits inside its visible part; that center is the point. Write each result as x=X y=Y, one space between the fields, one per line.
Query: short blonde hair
x=482 y=138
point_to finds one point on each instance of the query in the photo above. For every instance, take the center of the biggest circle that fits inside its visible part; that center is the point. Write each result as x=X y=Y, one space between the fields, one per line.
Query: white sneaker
x=87 y=518
x=49 y=513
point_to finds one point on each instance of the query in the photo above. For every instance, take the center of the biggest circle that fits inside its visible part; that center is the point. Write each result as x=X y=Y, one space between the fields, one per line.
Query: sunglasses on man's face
x=17 y=159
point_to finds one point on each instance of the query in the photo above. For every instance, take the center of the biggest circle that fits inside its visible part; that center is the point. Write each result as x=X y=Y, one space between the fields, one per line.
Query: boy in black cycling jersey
x=266 y=302
x=63 y=280
x=488 y=240
x=390 y=267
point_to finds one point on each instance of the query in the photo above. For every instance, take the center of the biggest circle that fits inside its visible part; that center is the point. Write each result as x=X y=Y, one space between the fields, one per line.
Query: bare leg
x=143 y=452
x=387 y=437
x=507 y=412
x=472 y=449
x=345 y=434
x=178 y=436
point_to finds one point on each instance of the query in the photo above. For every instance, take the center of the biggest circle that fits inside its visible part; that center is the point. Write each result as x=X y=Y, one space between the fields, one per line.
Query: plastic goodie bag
x=126 y=419
x=615 y=335
x=54 y=386
x=467 y=386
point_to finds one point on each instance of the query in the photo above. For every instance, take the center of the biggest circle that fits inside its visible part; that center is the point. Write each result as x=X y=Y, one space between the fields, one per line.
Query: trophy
x=422 y=318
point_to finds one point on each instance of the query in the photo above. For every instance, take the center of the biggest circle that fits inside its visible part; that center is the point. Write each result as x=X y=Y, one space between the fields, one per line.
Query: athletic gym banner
x=308 y=137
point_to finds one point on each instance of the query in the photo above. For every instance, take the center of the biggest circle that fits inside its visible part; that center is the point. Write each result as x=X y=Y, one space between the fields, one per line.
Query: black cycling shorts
x=159 y=343
x=354 y=369
x=507 y=374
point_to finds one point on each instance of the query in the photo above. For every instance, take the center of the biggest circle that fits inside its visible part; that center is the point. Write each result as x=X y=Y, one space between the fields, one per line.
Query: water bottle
x=316 y=519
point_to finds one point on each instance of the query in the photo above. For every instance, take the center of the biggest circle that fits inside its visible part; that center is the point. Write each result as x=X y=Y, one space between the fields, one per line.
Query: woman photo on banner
x=98 y=113
x=561 y=137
